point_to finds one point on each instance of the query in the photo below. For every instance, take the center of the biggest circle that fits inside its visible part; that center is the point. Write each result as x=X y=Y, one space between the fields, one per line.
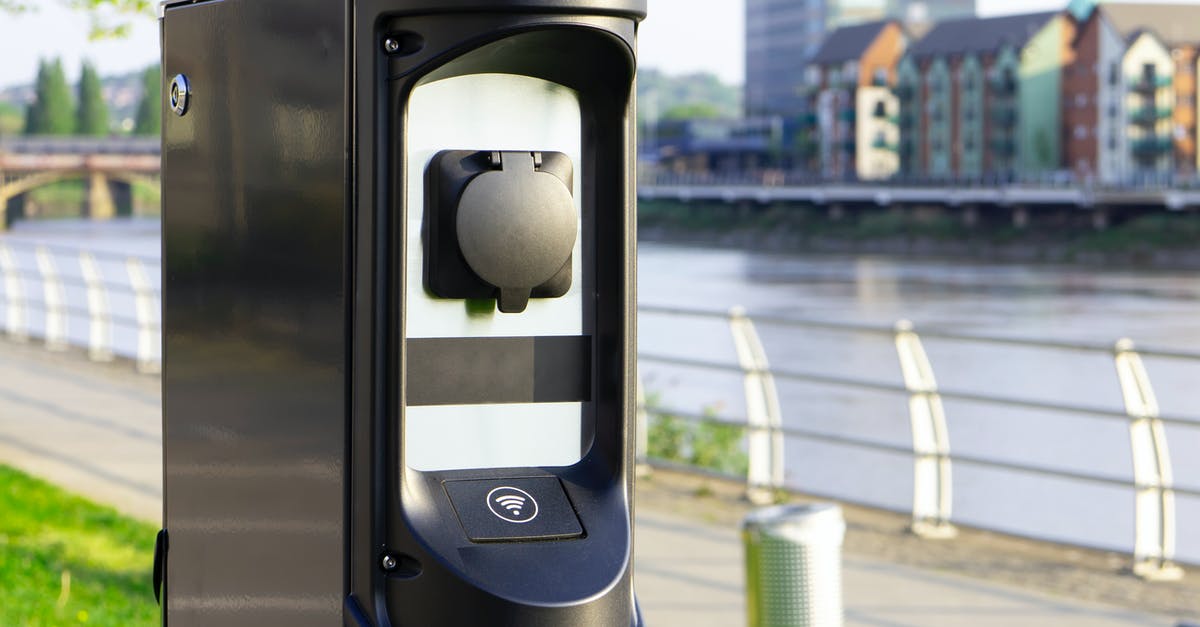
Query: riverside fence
x=109 y=304
x=1151 y=485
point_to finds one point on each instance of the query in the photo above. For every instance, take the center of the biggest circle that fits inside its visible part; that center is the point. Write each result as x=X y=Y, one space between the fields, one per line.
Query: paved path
x=95 y=429
x=690 y=574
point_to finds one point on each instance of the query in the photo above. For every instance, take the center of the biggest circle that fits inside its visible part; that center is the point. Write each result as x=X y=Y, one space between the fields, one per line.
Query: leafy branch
x=109 y=18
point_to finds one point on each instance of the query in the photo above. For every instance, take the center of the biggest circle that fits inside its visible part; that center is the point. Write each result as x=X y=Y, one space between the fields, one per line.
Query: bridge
x=1018 y=197
x=109 y=166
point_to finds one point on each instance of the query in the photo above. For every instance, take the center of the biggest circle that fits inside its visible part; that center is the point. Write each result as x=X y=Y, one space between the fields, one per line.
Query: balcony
x=1148 y=84
x=847 y=115
x=883 y=144
x=1003 y=85
x=849 y=146
x=1149 y=116
x=1151 y=147
x=1004 y=117
x=1005 y=147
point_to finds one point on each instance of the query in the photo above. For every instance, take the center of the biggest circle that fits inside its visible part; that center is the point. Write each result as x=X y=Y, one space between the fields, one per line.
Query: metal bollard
x=794 y=565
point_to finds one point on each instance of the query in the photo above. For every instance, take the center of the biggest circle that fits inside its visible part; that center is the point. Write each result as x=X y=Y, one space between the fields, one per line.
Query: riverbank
x=1151 y=241
x=1064 y=571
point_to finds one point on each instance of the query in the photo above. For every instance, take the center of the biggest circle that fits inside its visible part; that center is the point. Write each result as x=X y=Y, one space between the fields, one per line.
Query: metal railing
x=34 y=282
x=1152 y=481
x=1133 y=181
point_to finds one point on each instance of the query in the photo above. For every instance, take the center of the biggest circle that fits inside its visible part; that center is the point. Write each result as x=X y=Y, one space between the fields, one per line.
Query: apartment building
x=1120 y=118
x=1178 y=28
x=980 y=97
x=782 y=35
x=847 y=83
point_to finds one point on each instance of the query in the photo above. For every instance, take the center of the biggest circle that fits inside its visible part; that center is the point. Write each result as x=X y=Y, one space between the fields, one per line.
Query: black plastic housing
x=286 y=494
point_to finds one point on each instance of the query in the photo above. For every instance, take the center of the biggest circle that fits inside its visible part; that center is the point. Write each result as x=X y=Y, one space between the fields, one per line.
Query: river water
x=1160 y=309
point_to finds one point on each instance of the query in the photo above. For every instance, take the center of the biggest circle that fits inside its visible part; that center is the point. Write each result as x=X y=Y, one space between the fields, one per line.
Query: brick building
x=980 y=97
x=1178 y=28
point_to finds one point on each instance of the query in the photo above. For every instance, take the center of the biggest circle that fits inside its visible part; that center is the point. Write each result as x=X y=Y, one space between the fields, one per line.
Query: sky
x=679 y=36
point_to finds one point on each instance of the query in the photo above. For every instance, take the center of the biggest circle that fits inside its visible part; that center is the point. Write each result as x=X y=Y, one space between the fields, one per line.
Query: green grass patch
x=67 y=561
x=59 y=200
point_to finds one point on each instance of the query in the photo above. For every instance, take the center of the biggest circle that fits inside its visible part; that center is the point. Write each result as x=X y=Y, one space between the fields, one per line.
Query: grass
x=67 y=561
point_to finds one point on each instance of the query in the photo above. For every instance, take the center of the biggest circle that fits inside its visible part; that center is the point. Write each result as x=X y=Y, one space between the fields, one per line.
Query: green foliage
x=92 y=115
x=148 y=120
x=705 y=444
x=660 y=94
x=692 y=111
x=110 y=18
x=52 y=112
x=1148 y=233
x=65 y=560
x=12 y=120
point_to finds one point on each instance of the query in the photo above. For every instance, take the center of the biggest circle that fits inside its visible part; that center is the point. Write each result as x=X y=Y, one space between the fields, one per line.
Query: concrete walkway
x=690 y=574
x=95 y=429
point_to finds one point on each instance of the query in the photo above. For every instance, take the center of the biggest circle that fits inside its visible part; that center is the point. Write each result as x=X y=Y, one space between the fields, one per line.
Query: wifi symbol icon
x=512 y=505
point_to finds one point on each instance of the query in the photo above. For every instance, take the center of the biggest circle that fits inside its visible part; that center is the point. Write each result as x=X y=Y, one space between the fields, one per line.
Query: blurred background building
x=1099 y=92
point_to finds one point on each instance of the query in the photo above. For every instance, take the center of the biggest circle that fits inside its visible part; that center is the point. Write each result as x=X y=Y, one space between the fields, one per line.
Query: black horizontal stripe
x=498 y=370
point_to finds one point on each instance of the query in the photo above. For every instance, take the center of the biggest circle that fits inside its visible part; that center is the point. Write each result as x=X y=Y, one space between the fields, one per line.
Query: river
x=1158 y=309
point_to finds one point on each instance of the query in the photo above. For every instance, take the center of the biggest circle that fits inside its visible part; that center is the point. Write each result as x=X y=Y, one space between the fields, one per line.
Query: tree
x=148 y=120
x=92 y=115
x=51 y=112
x=110 y=18
x=692 y=111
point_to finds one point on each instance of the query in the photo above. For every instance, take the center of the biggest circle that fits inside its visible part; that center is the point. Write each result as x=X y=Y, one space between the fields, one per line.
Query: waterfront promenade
x=94 y=428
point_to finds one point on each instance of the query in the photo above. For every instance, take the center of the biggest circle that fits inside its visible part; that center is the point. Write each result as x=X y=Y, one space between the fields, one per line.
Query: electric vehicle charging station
x=398 y=255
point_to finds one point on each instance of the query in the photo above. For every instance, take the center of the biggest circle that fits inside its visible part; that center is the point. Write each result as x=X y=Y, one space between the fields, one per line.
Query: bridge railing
x=1055 y=180
x=107 y=303
x=1152 y=484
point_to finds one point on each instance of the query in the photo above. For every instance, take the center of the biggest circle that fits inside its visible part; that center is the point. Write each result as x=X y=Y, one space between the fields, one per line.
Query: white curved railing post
x=55 y=298
x=932 y=485
x=1154 y=504
x=99 y=316
x=642 y=432
x=763 y=416
x=145 y=305
x=14 y=297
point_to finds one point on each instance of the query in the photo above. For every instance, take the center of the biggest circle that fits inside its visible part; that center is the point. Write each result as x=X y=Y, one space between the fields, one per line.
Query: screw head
x=389 y=562
x=391 y=45
x=179 y=94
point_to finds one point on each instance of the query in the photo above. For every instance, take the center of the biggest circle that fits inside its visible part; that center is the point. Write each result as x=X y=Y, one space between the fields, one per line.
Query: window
x=1081 y=132
x=1081 y=100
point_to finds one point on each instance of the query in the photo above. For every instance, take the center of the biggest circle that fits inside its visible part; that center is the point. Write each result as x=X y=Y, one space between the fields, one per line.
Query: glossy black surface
x=284 y=362
x=254 y=382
